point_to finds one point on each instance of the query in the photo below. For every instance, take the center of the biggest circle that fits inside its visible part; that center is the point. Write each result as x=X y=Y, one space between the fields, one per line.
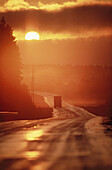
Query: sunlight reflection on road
x=19 y=141
x=32 y=155
x=77 y=143
x=34 y=134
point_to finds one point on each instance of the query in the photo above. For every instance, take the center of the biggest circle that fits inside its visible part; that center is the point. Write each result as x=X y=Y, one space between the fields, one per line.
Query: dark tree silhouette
x=9 y=56
x=13 y=95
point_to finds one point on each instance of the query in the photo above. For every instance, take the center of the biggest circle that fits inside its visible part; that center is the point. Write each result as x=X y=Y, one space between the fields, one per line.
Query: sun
x=32 y=35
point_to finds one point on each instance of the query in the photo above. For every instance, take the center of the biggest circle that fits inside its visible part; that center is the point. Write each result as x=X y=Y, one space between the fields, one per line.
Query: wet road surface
x=55 y=144
x=73 y=139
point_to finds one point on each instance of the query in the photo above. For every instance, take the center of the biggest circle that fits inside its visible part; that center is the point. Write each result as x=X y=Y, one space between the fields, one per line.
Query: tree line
x=14 y=95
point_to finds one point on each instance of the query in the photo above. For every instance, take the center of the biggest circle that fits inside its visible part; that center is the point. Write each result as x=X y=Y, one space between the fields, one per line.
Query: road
x=72 y=139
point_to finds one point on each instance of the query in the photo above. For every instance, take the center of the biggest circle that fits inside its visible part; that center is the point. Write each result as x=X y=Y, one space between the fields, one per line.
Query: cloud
x=16 y=5
x=69 y=18
x=55 y=6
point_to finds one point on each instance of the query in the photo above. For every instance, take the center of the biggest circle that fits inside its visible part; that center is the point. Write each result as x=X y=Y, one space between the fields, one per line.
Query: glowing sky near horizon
x=76 y=31
x=58 y=19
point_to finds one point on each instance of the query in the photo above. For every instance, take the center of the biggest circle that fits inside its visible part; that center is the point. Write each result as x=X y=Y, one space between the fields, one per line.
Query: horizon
x=66 y=33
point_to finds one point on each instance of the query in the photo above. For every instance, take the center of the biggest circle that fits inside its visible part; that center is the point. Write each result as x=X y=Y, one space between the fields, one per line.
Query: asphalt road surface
x=72 y=139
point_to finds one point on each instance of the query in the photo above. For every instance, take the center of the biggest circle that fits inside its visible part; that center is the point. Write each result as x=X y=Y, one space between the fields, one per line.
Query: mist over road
x=72 y=139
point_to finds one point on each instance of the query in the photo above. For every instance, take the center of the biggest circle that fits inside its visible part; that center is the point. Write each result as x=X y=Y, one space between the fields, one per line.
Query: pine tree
x=13 y=95
x=9 y=56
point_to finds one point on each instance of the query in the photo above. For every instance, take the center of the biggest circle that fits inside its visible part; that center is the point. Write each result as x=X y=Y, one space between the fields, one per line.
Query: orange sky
x=68 y=19
x=71 y=32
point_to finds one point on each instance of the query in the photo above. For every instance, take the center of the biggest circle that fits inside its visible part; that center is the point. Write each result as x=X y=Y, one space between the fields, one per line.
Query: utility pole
x=32 y=88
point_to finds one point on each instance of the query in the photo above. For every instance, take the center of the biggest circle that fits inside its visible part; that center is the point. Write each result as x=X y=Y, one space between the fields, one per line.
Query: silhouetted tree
x=9 y=56
x=13 y=95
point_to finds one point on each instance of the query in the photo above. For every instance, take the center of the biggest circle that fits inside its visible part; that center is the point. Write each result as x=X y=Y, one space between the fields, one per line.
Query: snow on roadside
x=67 y=111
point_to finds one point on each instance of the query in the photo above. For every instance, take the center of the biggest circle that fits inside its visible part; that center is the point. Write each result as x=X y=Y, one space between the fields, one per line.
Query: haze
x=71 y=32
